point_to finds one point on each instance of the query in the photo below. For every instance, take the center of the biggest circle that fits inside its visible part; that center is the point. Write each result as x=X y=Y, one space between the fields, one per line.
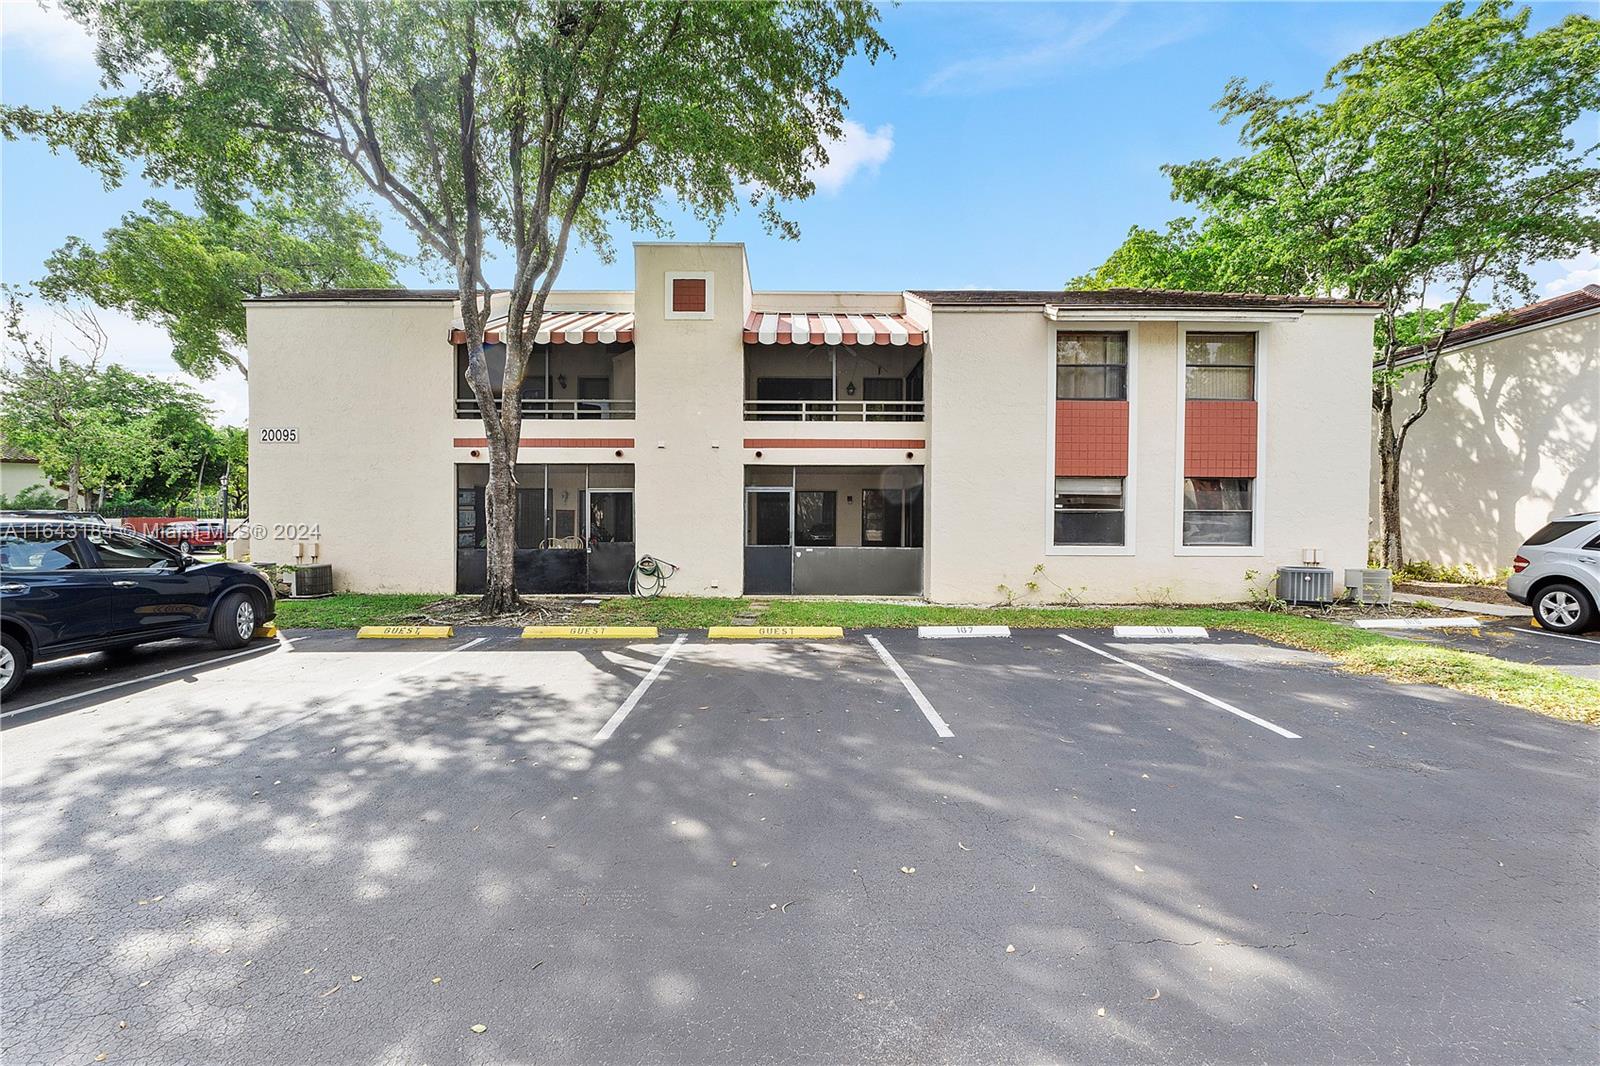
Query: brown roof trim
x=1156 y=299
x=356 y=296
x=1544 y=312
x=9 y=454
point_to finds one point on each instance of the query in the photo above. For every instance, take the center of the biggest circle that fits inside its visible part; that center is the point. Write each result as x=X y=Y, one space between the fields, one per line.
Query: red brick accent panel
x=1219 y=438
x=553 y=442
x=1091 y=438
x=829 y=442
x=688 y=294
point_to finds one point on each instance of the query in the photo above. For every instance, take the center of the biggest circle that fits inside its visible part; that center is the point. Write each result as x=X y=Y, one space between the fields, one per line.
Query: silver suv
x=1557 y=573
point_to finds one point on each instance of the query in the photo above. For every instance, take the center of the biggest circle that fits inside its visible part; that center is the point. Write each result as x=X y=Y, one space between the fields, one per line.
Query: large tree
x=525 y=122
x=191 y=273
x=95 y=426
x=1434 y=165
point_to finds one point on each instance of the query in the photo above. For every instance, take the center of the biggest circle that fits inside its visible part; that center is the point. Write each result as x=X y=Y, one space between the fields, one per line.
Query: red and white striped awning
x=774 y=327
x=566 y=327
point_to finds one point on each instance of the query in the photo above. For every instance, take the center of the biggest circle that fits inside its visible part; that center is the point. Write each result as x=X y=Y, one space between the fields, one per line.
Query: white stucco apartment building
x=1113 y=446
x=1509 y=440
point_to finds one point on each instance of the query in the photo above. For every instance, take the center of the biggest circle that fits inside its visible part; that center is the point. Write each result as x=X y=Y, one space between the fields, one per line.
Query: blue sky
x=1004 y=145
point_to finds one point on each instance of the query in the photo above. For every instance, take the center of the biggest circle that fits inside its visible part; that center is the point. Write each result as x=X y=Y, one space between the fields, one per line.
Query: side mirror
x=185 y=561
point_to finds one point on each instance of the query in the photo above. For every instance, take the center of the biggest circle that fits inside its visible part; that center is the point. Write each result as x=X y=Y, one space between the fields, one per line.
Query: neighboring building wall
x=368 y=389
x=990 y=467
x=19 y=477
x=1508 y=442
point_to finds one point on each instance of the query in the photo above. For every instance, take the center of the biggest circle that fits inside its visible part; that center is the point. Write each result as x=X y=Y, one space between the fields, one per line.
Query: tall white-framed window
x=691 y=294
x=1091 y=361
x=1219 y=515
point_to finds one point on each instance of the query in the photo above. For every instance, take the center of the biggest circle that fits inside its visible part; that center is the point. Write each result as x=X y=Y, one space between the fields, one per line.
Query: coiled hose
x=650 y=576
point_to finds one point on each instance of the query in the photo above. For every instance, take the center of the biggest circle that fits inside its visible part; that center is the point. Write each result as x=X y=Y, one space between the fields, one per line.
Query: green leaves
x=190 y=274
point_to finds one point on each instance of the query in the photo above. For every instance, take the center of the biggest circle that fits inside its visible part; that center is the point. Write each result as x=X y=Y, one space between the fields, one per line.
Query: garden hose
x=650 y=576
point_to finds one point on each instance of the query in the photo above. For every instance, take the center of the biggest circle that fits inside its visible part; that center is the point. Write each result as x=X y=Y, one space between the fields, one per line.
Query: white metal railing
x=833 y=410
x=468 y=408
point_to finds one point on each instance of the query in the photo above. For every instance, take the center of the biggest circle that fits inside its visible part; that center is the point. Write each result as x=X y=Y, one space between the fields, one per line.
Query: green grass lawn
x=351 y=609
x=1536 y=688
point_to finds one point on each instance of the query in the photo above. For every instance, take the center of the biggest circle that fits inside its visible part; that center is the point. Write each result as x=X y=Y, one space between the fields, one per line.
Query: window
x=1220 y=366
x=119 y=551
x=891 y=518
x=530 y=518
x=877 y=390
x=816 y=518
x=1555 y=531
x=689 y=295
x=784 y=399
x=610 y=517
x=38 y=551
x=1091 y=366
x=1089 y=510
x=1218 y=510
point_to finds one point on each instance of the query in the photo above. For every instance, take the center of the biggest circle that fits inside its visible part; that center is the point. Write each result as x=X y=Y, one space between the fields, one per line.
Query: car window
x=37 y=551
x=1593 y=545
x=119 y=551
x=1555 y=531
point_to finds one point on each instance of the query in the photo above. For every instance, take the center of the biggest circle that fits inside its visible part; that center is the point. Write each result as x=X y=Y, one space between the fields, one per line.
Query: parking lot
x=1518 y=640
x=1051 y=845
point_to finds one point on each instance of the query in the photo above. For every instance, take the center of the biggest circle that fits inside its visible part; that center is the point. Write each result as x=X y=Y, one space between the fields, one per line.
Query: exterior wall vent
x=1305 y=584
x=1370 y=588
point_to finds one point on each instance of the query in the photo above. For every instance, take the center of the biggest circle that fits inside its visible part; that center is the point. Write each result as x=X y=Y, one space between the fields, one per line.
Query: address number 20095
x=279 y=435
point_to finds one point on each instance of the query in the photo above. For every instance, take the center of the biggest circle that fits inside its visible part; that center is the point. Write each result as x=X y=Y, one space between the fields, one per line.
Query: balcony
x=557 y=409
x=833 y=410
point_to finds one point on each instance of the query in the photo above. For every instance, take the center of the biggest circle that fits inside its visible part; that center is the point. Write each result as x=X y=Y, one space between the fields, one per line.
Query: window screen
x=1089 y=510
x=816 y=518
x=1218 y=510
x=1220 y=366
x=1091 y=366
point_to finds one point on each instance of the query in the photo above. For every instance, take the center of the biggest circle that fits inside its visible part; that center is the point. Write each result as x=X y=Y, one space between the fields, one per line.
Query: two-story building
x=1117 y=445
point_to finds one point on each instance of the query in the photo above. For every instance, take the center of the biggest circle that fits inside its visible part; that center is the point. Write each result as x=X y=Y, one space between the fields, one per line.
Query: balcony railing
x=557 y=409
x=833 y=410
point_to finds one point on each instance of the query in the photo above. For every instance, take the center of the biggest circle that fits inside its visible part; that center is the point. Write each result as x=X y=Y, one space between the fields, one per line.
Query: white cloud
x=145 y=348
x=855 y=151
x=1584 y=270
x=45 y=31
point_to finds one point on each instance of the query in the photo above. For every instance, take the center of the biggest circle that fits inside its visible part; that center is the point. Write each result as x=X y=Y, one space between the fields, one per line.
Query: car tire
x=233 y=623
x=185 y=547
x=1563 y=608
x=13 y=664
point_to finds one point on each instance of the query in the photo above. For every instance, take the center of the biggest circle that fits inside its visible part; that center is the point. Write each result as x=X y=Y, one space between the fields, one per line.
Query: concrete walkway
x=1499 y=610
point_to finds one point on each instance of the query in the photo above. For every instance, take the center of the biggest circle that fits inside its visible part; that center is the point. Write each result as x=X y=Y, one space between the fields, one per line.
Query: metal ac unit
x=1370 y=588
x=310 y=581
x=1305 y=584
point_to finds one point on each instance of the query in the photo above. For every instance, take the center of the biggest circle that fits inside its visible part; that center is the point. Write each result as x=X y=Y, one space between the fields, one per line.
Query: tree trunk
x=1391 y=539
x=74 y=486
x=500 y=510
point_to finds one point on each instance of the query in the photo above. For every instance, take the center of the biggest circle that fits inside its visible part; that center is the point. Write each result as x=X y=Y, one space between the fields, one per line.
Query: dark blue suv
x=68 y=587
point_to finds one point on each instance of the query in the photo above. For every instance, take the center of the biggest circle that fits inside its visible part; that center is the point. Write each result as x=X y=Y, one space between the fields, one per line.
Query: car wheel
x=1563 y=609
x=13 y=664
x=235 y=621
x=185 y=547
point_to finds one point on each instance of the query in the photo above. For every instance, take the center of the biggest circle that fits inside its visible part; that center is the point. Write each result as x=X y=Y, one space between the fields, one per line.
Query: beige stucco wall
x=16 y=477
x=990 y=464
x=1508 y=442
x=368 y=390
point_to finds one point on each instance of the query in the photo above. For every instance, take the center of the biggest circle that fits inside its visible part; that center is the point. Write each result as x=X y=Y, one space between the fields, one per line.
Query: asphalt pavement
x=1050 y=846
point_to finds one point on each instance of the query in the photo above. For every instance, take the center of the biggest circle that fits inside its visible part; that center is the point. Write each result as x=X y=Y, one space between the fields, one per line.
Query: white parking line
x=928 y=712
x=1419 y=623
x=1558 y=636
x=261 y=651
x=1181 y=687
x=633 y=697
